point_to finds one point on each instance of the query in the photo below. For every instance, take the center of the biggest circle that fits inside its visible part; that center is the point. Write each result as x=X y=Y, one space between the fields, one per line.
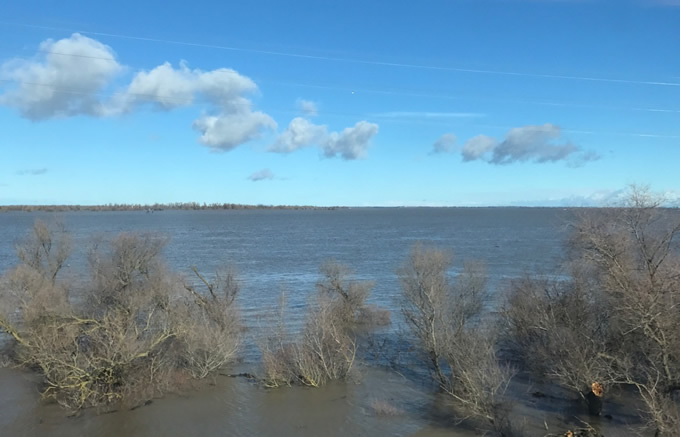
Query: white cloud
x=64 y=82
x=261 y=175
x=444 y=144
x=536 y=143
x=477 y=147
x=532 y=143
x=69 y=79
x=226 y=131
x=307 y=107
x=352 y=142
x=169 y=88
x=232 y=123
x=299 y=133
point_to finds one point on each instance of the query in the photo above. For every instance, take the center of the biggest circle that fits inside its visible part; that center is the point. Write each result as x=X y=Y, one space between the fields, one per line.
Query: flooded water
x=281 y=250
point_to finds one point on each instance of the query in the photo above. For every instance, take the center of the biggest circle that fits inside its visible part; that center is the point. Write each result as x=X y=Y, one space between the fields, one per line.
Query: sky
x=350 y=103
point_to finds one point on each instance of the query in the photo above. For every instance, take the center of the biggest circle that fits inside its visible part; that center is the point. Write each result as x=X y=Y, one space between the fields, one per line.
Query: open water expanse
x=275 y=250
x=281 y=250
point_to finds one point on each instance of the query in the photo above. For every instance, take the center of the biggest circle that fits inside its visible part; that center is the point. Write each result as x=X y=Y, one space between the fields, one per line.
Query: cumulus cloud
x=444 y=144
x=307 y=107
x=352 y=142
x=62 y=83
x=299 y=133
x=166 y=87
x=532 y=143
x=477 y=147
x=75 y=71
x=232 y=121
x=32 y=172
x=261 y=175
x=226 y=131
x=539 y=143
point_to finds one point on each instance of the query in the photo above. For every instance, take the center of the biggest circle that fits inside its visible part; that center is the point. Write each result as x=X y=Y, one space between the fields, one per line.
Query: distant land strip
x=190 y=206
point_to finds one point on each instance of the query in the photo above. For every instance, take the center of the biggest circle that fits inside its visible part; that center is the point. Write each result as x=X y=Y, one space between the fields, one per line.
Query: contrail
x=409 y=93
x=357 y=61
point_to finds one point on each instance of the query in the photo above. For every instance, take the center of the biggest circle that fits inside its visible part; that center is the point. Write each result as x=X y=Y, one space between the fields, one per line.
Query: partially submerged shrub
x=326 y=348
x=133 y=335
x=348 y=297
x=210 y=337
x=444 y=319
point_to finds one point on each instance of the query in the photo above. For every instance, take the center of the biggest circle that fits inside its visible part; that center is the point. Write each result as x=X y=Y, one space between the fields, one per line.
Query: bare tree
x=30 y=292
x=444 y=319
x=326 y=348
x=559 y=329
x=211 y=334
x=616 y=319
x=632 y=251
x=350 y=296
x=46 y=249
x=427 y=295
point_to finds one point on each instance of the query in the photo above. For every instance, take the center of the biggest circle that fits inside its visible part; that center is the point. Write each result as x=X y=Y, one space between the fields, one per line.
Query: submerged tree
x=444 y=318
x=633 y=253
x=615 y=319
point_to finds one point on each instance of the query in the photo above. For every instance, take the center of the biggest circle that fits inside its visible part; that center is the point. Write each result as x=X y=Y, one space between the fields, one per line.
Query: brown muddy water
x=238 y=407
x=282 y=250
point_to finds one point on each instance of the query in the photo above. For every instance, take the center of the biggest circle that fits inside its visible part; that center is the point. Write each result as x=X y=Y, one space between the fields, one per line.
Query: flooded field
x=282 y=250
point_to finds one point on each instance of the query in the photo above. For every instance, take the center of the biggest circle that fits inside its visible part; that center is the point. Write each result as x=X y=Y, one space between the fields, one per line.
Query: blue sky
x=451 y=102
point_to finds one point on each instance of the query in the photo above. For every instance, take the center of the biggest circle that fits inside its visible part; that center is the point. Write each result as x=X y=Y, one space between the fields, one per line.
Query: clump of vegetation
x=326 y=348
x=443 y=317
x=558 y=329
x=132 y=334
x=616 y=319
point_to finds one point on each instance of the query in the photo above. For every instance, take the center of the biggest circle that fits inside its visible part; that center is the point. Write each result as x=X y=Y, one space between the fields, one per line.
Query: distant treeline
x=193 y=206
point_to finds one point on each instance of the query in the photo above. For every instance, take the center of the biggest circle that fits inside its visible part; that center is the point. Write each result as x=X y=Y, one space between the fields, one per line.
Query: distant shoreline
x=235 y=207
x=159 y=207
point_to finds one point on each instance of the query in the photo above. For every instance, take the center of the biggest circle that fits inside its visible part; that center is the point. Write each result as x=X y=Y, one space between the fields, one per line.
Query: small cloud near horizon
x=32 y=172
x=261 y=175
